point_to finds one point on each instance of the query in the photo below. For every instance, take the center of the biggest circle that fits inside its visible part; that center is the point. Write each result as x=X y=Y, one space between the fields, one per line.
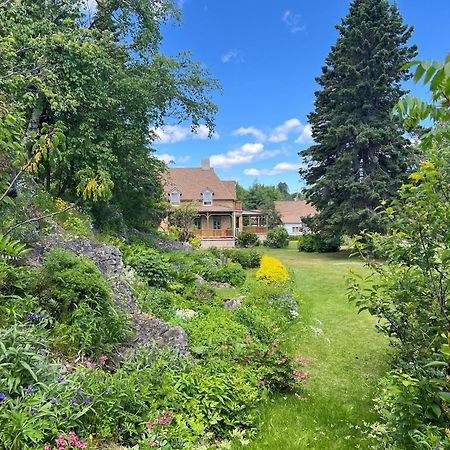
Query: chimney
x=205 y=164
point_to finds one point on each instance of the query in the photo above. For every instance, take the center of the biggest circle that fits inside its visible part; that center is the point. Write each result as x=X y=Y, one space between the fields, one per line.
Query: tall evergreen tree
x=360 y=156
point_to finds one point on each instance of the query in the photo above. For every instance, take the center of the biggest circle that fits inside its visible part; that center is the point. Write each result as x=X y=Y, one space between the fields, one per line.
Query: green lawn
x=347 y=359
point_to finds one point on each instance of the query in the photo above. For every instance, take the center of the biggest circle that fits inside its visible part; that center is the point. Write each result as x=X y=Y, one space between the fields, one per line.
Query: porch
x=216 y=225
x=254 y=221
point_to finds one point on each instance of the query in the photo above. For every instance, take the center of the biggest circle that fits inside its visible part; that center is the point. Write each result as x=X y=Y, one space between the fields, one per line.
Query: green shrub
x=327 y=244
x=156 y=301
x=151 y=267
x=246 y=239
x=260 y=324
x=248 y=259
x=216 y=333
x=310 y=243
x=277 y=238
x=307 y=243
x=225 y=272
x=77 y=296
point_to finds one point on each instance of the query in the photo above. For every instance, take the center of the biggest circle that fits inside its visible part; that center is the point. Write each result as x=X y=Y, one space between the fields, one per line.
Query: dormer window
x=175 y=198
x=207 y=198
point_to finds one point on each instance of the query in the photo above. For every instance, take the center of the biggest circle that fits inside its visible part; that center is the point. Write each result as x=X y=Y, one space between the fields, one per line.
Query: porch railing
x=214 y=233
x=256 y=230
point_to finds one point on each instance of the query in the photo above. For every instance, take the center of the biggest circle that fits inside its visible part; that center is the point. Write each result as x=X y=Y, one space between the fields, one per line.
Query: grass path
x=348 y=357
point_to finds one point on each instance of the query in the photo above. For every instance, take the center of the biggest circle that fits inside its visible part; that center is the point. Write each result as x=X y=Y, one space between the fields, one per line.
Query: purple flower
x=60 y=379
x=106 y=390
x=33 y=411
x=54 y=401
x=30 y=390
x=74 y=400
x=87 y=401
x=2 y=397
x=79 y=391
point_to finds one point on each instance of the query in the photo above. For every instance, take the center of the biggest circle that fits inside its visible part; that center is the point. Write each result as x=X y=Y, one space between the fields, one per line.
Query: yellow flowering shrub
x=61 y=204
x=272 y=270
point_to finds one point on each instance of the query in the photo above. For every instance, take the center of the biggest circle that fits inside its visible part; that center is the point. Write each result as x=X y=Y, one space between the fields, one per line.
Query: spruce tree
x=360 y=156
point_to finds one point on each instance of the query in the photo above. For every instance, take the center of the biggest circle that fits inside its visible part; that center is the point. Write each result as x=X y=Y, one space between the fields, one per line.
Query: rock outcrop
x=108 y=258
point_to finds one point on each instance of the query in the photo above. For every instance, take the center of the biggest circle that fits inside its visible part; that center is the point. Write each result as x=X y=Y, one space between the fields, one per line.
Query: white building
x=292 y=212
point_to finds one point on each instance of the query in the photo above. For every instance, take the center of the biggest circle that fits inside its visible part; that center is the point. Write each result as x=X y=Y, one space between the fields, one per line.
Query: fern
x=10 y=248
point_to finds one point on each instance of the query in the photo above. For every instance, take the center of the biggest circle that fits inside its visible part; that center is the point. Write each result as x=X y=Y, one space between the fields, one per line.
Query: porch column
x=207 y=224
x=233 y=223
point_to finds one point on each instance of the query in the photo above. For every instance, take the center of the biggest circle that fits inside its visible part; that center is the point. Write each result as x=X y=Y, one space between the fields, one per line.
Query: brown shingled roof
x=293 y=211
x=191 y=182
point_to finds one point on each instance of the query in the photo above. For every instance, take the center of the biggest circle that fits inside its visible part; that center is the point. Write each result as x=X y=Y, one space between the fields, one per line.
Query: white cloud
x=250 y=131
x=183 y=159
x=169 y=134
x=168 y=159
x=293 y=21
x=171 y=159
x=306 y=136
x=242 y=155
x=281 y=133
x=279 y=168
x=230 y=55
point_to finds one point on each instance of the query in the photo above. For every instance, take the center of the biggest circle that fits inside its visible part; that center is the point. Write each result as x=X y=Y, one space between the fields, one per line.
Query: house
x=220 y=216
x=292 y=212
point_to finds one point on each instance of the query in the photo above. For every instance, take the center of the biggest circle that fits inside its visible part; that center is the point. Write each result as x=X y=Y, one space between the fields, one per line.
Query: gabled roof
x=293 y=211
x=191 y=182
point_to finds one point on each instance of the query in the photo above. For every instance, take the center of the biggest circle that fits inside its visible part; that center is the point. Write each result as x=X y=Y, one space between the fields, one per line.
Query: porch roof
x=214 y=209
x=252 y=212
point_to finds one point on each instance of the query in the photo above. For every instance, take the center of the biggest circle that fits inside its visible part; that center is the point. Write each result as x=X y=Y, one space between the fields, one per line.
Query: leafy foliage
x=248 y=259
x=183 y=217
x=77 y=296
x=101 y=78
x=314 y=242
x=247 y=239
x=277 y=238
x=10 y=248
x=409 y=295
x=150 y=266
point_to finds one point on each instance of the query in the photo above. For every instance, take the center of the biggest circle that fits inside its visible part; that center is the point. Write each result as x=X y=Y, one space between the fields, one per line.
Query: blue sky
x=266 y=55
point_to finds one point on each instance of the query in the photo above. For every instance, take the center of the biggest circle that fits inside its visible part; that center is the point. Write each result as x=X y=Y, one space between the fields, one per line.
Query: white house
x=292 y=212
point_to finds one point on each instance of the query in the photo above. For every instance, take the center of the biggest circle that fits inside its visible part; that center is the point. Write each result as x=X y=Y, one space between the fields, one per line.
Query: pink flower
x=150 y=425
x=72 y=438
x=47 y=447
x=300 y=375
x=60 y=442
x=82 y=444
x=103 y=359
x=152 y=443
x=301 y=360
x=91 y=365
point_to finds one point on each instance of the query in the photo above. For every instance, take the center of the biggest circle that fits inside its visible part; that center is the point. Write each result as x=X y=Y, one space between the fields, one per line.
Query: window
x=296 y=229
x=217 y=222
x=198 y=223
x=175 y=198
x=207 y=198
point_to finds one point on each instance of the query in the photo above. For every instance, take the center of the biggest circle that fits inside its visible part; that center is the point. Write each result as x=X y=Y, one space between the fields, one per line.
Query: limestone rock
x=151 y=330
x=233 y=303
x=217 y=284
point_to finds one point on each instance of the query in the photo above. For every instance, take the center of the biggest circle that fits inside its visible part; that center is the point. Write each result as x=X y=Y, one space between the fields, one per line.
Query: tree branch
x=45 y=216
